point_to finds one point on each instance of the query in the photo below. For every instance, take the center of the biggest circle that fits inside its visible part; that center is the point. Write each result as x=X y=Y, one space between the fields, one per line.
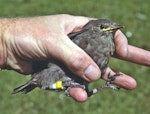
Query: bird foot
x=111 y=78
x=70 y=84
x=108 y=84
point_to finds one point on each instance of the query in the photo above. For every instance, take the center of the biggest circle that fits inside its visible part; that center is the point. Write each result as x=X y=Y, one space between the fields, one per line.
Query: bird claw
x=108 y=84
x=70 y=84
x=110 y=80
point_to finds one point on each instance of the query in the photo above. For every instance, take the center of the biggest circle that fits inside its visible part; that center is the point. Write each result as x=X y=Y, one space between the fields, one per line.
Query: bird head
x=104 y=25
x=107 y=25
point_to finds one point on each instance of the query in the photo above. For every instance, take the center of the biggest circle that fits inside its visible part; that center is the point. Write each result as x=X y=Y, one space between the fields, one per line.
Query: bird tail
x=25 y=88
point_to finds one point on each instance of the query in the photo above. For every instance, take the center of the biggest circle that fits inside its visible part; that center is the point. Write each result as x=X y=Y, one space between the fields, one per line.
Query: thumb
x=78 y=61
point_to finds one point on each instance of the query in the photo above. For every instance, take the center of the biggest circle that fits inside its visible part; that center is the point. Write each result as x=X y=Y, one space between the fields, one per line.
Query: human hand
x=42 y=38
x=25 y=40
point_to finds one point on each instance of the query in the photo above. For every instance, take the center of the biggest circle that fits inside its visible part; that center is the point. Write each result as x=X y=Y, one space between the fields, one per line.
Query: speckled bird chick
x=97 y=39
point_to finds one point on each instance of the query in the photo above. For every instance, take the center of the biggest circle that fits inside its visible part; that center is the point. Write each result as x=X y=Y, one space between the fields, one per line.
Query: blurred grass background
x=133 y=14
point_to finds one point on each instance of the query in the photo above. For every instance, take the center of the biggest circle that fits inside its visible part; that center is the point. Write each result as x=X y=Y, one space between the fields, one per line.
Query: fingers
x=123 y=80
x=139 y=56
x=121 y=44
x=130 y=53
x=78 y=94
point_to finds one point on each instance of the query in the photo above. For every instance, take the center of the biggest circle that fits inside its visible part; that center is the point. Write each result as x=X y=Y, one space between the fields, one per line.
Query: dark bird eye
x=102 y=26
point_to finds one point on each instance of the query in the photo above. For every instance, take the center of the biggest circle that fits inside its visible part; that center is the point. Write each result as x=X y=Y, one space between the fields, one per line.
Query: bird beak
x=114 y=27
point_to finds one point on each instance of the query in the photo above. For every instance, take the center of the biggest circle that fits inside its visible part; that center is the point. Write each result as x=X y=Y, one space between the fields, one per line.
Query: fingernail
x=92 y=72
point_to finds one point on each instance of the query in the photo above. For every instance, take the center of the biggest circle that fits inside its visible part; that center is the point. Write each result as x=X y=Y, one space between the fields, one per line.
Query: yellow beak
x=115 y=27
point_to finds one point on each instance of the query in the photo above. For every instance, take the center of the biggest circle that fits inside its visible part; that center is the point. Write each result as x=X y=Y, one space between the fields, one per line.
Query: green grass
x=133 y=14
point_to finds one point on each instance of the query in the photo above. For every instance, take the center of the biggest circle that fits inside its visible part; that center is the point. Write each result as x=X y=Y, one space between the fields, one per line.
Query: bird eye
x=102 y=26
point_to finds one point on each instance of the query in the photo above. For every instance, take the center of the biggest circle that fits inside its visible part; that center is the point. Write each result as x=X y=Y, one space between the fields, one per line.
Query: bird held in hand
x=96 y=38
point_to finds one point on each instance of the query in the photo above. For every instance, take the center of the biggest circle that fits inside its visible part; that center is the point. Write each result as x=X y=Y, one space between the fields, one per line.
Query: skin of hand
x=23 y=40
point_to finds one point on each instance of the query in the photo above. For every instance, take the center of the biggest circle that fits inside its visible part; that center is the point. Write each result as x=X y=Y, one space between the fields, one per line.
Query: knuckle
x=77 y=61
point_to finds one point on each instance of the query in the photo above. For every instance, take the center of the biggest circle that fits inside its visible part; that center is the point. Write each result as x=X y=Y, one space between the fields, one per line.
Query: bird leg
x=108 y=84
x=69 y=84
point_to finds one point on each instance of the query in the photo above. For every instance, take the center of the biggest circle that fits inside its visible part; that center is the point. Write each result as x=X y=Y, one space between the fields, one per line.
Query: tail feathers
x=27 y=87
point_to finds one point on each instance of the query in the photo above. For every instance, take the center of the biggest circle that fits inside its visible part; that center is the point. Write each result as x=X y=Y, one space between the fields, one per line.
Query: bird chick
x=96 y=38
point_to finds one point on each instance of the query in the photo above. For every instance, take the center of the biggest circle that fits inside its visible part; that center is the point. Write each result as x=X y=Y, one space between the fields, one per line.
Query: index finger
x=130 y=53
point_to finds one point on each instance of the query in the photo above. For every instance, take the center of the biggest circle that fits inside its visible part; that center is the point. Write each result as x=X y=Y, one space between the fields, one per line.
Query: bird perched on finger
x=96 y=38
